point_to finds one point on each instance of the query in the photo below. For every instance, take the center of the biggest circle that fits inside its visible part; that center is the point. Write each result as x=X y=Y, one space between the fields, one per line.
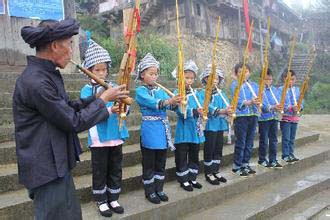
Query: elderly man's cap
x=48 y=31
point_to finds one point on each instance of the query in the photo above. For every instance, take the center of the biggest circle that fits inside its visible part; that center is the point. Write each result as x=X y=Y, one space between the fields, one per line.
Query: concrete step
x=182 y=203
x=6 y=116
x=315 y=207
x=7 y=135
x=12 y=72
x=9 y=178
x=131 y=157
x=7 y=144
x=7 y=152
x=133 y=119
x=6 y=98
x=8 y=85
x=7 y=71
x=268 y=200
x=72 y=82
x=323 y=214
x=132 y=178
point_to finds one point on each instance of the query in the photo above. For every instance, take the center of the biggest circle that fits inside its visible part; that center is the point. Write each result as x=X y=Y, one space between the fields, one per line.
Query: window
x=198 y=9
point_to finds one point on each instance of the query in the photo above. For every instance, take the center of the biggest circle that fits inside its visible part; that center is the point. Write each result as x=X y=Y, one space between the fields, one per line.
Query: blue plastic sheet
x=2 y=7
x=37 y=9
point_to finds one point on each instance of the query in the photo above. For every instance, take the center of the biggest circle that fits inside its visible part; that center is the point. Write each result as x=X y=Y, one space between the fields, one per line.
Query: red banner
x=247 y=21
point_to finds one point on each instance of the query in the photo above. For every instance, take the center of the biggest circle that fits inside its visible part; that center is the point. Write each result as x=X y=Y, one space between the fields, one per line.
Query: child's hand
x=229 y=110
x=278 y=108
x=295 y=108
x=174 y=100
x=248 y=102
x=256 y=101
x=115 y=109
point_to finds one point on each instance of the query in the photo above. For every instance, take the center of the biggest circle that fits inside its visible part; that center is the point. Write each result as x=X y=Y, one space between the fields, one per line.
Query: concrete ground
x=245 y=206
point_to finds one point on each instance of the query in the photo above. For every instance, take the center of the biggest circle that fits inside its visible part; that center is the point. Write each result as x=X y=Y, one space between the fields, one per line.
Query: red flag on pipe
x=247 y=20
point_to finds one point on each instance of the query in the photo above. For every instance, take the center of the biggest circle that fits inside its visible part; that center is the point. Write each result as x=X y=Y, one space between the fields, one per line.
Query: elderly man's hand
x=113 y=94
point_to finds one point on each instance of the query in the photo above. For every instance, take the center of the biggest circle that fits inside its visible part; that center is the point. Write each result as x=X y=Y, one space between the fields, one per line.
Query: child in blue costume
x=245 y=123
x=104 y=139
x=290 y=119
x=268 y=124
x=155 y=128
x=188 y=133
x=215 y=127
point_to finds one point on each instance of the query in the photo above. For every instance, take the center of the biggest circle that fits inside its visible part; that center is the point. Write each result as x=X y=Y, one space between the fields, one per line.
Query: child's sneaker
x=263 y=164
x=244 y=173
x=294 y=159
x=240 y=172
x=275 y=165
x=236 y=171
x=104 y=209
x=288 y=160
x=249 y=170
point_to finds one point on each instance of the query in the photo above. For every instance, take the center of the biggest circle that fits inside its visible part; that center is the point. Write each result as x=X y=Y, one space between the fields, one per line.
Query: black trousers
x=56 y=200
x=153 y=169
x=212 y=151
x=186 y=161
x=107 y=173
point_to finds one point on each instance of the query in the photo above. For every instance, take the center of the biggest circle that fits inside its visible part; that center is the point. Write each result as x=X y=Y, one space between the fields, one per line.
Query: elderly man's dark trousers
x=56 y=200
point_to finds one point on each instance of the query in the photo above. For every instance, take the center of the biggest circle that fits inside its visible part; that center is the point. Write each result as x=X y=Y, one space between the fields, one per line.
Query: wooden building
x=199 y=17
x=13 y=49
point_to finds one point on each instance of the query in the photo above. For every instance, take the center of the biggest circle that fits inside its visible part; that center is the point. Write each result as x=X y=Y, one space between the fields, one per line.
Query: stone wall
x=13 y=49
x=200 y=50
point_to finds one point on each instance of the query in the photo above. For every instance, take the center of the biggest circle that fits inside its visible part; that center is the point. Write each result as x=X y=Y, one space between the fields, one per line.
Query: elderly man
x=47 y=122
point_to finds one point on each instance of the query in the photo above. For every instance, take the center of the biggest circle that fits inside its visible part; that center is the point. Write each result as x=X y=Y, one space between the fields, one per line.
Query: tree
x=91 y=6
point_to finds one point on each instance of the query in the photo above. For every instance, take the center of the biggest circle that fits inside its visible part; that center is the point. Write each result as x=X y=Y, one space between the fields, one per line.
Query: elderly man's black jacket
x=47 y=123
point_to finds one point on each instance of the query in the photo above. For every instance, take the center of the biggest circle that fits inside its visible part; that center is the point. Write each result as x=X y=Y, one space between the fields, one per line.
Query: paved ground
x=252 y=201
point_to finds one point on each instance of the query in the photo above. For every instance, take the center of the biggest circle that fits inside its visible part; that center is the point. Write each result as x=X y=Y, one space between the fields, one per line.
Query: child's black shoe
x=196 y=184
x=153 y=198
x=220 y=178
x=104 y=209
x=211 y=179
x=186 y=186
x=162 y=196
x=115 y=207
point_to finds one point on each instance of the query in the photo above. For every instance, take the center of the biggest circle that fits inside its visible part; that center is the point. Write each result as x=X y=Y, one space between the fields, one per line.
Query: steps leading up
x=7 y=134
x=316 y=207
x=72 y=82
x=148 y=10
x=14 y=203
x=133 y=119
x=6 y=99
x=131 y=178
x=182 y=203
x=131 y=157
x=266 y=201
